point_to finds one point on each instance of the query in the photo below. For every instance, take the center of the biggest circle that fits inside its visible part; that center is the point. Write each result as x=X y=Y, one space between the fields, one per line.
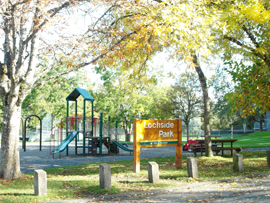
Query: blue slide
x=65 y=142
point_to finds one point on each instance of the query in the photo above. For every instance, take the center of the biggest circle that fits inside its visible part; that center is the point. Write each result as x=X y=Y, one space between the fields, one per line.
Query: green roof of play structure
x=77 y=92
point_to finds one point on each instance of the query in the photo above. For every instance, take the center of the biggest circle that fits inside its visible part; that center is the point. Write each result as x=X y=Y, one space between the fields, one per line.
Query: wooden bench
x=198 y=148
x=237 y=149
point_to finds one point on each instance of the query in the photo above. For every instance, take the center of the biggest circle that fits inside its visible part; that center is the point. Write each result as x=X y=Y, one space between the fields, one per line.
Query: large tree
x=34 y=29
x=181 y=27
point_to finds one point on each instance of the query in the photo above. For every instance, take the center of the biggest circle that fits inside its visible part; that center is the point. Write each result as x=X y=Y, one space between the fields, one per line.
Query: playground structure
x=24 y=137
x=87 y=131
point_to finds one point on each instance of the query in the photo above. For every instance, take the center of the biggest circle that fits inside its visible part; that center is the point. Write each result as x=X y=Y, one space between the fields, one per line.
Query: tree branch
x=41 y=82
x=251 y=37
x=53 y=13
x=253 y=51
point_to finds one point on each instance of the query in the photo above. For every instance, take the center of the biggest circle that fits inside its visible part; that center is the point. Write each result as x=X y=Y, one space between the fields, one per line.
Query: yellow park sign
x=156 y=133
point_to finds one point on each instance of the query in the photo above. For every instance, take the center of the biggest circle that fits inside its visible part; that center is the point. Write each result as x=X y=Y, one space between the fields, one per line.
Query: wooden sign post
x=156 y=133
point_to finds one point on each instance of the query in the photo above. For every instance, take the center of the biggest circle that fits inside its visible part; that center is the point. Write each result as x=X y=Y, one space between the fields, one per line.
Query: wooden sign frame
x=156 y=133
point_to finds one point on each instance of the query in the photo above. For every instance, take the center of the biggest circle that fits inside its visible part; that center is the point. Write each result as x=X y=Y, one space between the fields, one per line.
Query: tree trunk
x=53 y=126
x=232 y=128
x=206 y=102
x=261 y=125
x=187 y=126
x=126 y=129
x=10 y=159
x=127 y=138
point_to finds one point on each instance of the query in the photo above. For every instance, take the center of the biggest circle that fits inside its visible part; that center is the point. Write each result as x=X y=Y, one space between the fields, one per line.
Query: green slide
x=65 y=142
x=122 y=146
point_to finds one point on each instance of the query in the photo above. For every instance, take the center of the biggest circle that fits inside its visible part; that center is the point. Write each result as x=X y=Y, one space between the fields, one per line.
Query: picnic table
x=193 y=142
x=217 y=148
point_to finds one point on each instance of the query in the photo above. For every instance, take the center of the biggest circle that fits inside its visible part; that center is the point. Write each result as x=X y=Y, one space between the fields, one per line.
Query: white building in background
x=266 y=124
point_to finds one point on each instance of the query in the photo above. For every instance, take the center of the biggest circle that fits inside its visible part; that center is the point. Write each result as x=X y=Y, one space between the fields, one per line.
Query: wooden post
x=136 y=146
x=268 y=158
x=192 y=167
x=238 y=163
x=40 y=182
x=153 y=172
x=178 y=147
x=105 y=176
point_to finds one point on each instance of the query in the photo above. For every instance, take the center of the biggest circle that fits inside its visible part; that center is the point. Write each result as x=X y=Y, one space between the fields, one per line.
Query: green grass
x=130 y=143
x=249 y=140
x=258 y=139
x=83 y=180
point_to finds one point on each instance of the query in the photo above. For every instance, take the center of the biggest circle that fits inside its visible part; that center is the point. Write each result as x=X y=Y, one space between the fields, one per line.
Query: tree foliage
x=252 y=89
x=183 y=99
x=122 y=98
x=51 y=97
x=243 y=36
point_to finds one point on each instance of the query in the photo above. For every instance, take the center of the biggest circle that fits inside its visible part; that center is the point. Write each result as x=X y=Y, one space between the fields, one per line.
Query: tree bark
x=206 y=102
x=127 y=130
x=231 y=128
x=127 y=139
x=187 y=130
x=261 y=125
x=10 y=159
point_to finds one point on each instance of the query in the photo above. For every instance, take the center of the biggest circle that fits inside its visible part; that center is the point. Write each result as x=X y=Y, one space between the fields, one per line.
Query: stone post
x=153 y=172
x=238 y=163
x=192 y=167
x=268 y=158
x=40 y=182
x=105 y=176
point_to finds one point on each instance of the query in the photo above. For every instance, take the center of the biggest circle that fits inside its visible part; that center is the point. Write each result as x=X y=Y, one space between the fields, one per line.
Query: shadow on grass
x=128 y=181
x=98 y=190
x=17 y=194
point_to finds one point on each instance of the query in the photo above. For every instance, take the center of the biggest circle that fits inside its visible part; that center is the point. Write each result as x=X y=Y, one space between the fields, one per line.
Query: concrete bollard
x=192 y=167
x=105 y=176
x=153 y=172
x=238 y=163
x=268 y=158
x=40 y=182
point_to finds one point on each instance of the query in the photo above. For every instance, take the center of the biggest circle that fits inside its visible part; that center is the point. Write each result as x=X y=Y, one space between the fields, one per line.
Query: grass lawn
x=249 y=140
x=258 y=139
